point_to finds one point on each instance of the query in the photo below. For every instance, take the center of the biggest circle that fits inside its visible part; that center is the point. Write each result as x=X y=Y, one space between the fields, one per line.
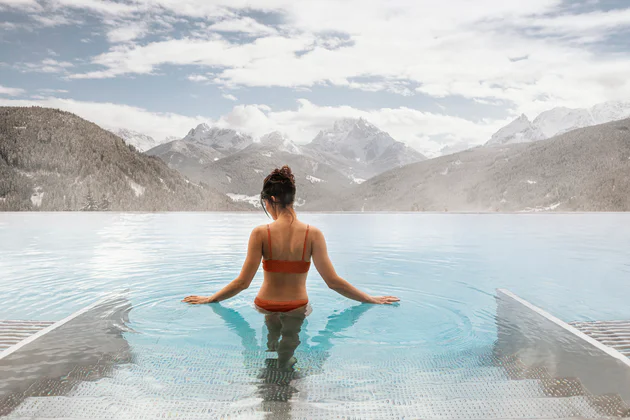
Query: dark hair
x=280 y=183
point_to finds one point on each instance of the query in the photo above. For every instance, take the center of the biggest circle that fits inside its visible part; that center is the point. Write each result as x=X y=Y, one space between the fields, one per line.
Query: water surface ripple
x=444 y=267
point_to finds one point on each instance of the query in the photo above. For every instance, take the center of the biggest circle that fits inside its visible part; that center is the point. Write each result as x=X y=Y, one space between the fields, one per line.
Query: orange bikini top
x=284 y=266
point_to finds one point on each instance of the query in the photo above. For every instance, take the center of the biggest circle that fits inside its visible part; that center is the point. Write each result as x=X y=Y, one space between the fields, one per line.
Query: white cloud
x=50 y=91
x=8 y=26
x=109 y=115
x=453 y=48
x=50 y=20
x=200 y=52
x=230 y=97
x=11 y=91
x=579 y=23
x=99 y=6
x=48 y=65
x=127 y=32
x=197 y=78
x=243 y=25
x=27 y=5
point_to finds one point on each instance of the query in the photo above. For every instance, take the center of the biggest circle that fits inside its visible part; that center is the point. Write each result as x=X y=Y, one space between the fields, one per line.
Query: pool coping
x=8 y=351
x=541 y=340
x=590 y=340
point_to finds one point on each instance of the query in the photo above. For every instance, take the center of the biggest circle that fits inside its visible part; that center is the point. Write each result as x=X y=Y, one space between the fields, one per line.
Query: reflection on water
x=283 y=338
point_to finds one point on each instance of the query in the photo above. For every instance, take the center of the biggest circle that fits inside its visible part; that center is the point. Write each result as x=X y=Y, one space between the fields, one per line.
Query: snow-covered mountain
x=140 y=141
x=360 y=149
x=224 y=140
x=201 y=146
x=521 y=130
x=558 y=121
x=185 y=157
x=280 y=142
x=240 y=175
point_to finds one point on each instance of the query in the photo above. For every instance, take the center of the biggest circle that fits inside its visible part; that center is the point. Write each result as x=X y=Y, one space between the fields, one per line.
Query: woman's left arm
x=244 y=279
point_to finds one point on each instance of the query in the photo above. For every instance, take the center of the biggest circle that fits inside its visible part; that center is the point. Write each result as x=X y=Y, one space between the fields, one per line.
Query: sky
x=437 y=75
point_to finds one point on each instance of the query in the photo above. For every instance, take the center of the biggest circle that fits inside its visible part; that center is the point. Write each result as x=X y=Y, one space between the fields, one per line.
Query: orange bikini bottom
x=279 y=306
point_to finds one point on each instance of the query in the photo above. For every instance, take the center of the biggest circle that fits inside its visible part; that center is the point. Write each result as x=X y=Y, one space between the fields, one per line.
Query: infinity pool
x=354 y=360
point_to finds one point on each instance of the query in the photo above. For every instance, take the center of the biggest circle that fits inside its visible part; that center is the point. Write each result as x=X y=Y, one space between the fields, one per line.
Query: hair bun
x=284 y=174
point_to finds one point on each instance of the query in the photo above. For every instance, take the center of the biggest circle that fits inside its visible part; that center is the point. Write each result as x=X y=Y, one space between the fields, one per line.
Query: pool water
x=353 y=360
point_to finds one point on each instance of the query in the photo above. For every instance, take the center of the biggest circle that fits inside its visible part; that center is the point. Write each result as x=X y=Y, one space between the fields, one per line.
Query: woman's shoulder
x=260 y=229
x=314 y=231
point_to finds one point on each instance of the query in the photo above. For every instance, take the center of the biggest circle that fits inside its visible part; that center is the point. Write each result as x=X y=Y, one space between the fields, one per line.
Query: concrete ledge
x=541 y=340
x=83 y=346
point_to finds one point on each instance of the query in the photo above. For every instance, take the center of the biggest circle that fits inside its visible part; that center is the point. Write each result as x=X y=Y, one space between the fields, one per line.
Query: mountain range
x=586 y=169
x=558 y=121
x=348 y=153
x=53 y=160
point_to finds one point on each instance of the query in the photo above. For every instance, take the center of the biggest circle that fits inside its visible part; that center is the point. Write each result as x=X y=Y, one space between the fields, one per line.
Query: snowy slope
x=360 y=149
x=280 y=142
x=224 y=140
x=354 y=139
x=610 y=111
x=140 y=141
x=558 y=121
x=521 y=130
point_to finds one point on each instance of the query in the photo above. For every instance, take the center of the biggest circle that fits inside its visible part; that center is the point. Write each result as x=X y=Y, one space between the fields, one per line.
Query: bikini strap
x=269 y=238
x=305 y=237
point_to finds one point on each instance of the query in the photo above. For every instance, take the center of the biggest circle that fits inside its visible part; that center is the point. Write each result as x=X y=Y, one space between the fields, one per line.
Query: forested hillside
x=54 y=160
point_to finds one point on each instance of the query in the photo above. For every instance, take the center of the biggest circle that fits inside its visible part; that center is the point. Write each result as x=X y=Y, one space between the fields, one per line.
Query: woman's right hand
x=383 y=300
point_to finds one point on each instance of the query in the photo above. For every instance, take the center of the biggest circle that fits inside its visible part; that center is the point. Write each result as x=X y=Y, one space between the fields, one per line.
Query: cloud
x=244 y=25
x=109 y=115
x=48 y=65
x=128 y=32
x=50 y=91
x=230 y=97
x=9 y=26
x=108 y=8
x=577 y=24
x=11 y=91
x=405 y=47
x=50 y=20
x=26 y=5
x=214 y=52
x=197 y=78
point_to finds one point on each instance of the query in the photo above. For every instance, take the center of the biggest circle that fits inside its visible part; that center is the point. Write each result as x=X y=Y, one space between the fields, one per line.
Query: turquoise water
x=444 y=267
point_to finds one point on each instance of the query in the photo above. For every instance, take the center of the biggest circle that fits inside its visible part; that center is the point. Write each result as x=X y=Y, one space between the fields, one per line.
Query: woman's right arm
x=327 y=271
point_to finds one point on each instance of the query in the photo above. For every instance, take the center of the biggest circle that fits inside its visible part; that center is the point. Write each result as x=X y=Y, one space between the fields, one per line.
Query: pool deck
x=615 y=334
x=13 y=332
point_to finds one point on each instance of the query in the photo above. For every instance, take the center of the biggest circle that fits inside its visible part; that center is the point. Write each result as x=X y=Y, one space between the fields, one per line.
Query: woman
x=286 y=246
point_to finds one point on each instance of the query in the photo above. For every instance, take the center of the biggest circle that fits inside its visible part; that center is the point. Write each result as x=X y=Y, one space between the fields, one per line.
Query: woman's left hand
x=196 y=300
